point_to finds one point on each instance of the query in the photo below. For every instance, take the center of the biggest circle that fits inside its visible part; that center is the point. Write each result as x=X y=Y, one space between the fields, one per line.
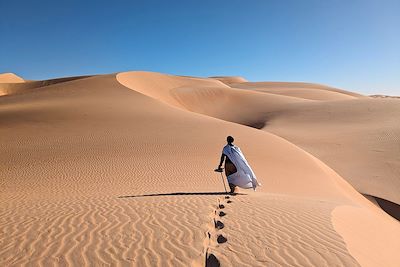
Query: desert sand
x=118 y=170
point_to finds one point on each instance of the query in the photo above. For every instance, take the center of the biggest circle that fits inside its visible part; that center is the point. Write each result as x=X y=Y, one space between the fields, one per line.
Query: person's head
x=230 y=139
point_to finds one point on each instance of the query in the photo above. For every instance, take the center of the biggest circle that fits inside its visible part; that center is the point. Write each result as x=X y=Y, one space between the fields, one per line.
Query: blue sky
x=353 y=44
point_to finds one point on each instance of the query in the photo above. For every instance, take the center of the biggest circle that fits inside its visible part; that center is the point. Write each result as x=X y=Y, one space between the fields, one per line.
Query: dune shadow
x=258 y=124
x=389 y=207
x=182 y=194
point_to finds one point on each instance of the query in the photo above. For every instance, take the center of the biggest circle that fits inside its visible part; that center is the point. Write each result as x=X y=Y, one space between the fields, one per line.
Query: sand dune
x=118 y=170
x=207 y=96
x=356 y=137
x=10 y=78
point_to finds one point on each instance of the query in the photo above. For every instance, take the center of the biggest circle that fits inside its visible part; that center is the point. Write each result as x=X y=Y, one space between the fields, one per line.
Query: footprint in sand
x=210 y=259
x=221 y=239
x=218 y=225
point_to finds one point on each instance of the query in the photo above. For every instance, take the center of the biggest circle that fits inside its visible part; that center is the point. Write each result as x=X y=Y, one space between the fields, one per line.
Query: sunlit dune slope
x=10 y=78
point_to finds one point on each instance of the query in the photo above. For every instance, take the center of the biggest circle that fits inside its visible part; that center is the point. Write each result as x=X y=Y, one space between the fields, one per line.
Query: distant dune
x=230 y=79
x=10 y=78
x=384 y=96
x=118 y=170
x=12 y=88
x=302 y=90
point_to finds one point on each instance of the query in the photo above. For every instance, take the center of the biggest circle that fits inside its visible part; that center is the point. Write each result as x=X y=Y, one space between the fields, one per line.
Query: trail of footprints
x=215 y=232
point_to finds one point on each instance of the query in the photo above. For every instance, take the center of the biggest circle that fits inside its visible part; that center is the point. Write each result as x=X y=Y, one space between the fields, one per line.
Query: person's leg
x=232 y=187
x=230 y=169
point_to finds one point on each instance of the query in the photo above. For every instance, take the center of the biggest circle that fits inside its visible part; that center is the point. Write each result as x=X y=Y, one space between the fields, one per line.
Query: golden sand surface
x=117 y=170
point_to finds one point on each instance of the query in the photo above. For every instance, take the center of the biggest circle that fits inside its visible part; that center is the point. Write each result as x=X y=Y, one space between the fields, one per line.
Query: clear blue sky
x=353 y=44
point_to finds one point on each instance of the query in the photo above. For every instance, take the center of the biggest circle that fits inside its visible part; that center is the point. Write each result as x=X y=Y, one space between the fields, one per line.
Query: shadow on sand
x=212 y=261
x=183 y=194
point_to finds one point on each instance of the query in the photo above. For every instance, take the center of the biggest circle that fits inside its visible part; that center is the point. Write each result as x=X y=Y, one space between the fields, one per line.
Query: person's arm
x=221 y=161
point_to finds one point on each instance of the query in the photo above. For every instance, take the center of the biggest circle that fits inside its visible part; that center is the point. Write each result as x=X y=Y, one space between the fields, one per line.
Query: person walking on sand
x=237 y=169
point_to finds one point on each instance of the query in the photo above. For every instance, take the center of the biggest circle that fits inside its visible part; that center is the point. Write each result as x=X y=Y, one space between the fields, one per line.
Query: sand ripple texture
x=273 y=230
x=104 y=231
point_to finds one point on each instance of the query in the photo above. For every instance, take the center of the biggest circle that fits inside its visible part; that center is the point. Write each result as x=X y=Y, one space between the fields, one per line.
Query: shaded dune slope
x=79 y=156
